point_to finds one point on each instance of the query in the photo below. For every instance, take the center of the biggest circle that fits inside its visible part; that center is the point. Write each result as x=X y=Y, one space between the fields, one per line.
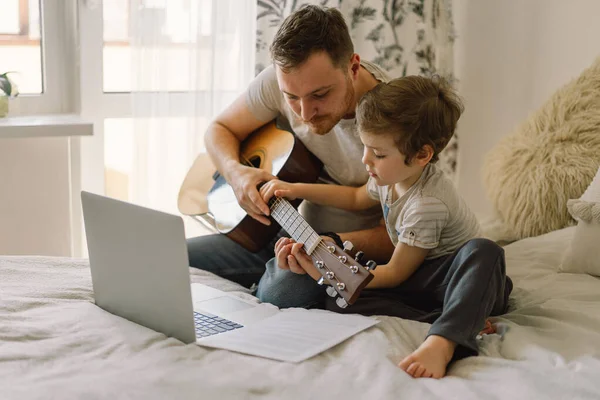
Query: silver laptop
x=139 y=264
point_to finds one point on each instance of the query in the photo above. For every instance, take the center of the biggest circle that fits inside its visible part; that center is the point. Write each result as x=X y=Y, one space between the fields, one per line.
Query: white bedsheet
x=56 y=344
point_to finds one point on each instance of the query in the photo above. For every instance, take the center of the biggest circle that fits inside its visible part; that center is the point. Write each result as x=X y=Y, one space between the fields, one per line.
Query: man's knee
x=272 y=287
x=286 y=289
x=202 y=248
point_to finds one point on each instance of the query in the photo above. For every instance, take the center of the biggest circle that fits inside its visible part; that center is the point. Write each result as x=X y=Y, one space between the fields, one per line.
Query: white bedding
x=55 y=343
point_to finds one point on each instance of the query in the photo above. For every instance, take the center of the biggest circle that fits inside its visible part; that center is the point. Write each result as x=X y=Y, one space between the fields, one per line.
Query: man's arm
x=374 y=242
x=222 y=140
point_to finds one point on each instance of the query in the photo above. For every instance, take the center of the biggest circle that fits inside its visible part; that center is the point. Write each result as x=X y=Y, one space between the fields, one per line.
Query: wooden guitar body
x=270 y=148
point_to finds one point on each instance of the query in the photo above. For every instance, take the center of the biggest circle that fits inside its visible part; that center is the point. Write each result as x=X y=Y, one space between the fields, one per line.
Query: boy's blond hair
x=416 y=110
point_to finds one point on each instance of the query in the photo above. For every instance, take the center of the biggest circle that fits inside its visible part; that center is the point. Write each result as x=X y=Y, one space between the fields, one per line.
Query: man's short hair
x=416 y=110
x=308 y=30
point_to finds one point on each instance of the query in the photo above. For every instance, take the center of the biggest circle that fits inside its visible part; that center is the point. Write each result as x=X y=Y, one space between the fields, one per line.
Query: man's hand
x=244 y=181
x=277 y=188
x=291 y=255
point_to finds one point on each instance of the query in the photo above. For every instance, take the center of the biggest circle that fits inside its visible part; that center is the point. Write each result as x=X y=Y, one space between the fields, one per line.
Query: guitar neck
x=345 y=275
x=294 y=224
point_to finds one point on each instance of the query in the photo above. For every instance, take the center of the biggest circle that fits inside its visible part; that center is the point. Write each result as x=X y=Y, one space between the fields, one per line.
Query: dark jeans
x=456 y=293
x=224 y=257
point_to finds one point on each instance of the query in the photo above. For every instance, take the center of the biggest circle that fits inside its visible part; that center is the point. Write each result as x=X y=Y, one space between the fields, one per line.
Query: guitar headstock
x=345 y=274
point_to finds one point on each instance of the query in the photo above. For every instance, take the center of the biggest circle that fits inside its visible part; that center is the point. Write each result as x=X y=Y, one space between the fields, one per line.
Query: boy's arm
x=404 y=262
x=374 y=242
x=344 y=197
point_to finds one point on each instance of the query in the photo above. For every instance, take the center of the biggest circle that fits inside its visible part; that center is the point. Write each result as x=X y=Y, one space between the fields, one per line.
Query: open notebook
x=292 y=335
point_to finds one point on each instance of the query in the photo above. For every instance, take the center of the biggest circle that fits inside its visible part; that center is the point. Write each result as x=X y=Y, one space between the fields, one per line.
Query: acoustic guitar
x=206 y=196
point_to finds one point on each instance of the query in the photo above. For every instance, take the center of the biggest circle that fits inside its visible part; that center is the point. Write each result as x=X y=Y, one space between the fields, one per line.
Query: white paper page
x=292 y=335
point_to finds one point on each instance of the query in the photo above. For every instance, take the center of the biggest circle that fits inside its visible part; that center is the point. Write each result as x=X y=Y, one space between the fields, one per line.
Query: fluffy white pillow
x=531 y=174
x=583 y=256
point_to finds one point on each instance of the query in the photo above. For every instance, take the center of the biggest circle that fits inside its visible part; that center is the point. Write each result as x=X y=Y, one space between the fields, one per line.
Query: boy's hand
x=277 y=188
x=291 y=255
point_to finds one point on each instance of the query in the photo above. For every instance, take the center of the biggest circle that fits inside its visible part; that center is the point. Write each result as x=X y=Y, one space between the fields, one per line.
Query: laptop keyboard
x=208 y=324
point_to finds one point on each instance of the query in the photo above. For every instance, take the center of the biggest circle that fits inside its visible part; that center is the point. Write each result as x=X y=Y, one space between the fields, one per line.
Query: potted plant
x=8 y=89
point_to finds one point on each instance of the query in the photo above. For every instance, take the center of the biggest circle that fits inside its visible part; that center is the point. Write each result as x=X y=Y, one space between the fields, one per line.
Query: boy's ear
x=424 y=155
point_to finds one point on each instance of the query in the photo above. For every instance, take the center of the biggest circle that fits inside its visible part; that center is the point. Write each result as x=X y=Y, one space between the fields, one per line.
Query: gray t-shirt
x=430 y=215
x=340 y=150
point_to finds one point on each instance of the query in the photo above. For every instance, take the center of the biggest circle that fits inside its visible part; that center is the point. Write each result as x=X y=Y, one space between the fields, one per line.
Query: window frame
x=23 y=35
x=58 y=46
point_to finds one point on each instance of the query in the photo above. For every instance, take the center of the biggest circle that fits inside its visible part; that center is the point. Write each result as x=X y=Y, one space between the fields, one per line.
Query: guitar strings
x=278 y=201
x=322 y=245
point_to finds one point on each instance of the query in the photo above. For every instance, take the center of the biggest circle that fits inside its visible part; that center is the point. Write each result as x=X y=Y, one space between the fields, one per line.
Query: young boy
x=438 y=272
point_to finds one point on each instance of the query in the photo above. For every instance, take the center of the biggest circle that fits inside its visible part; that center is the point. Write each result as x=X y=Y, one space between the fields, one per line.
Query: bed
x=55 y=343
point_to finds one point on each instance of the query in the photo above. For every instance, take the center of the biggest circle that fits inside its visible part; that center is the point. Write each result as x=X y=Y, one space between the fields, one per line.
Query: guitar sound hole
x=255 y=161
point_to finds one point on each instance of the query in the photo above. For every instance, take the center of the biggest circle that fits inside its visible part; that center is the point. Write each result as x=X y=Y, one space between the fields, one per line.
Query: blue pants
x=224 y=257
x=455 y=293
x=233 y=262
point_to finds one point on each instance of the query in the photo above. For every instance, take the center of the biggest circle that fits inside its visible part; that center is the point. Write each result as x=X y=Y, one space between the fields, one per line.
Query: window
x=81 y=56
x=20 y=45
x=165 y=22
x=116 y=47
x=38 y=44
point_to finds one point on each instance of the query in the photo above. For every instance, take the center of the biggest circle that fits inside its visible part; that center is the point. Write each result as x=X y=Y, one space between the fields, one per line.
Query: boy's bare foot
x=430 y=359
x=488 y=329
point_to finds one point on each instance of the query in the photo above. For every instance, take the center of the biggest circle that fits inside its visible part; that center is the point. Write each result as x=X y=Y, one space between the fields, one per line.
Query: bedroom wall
x=510 y=56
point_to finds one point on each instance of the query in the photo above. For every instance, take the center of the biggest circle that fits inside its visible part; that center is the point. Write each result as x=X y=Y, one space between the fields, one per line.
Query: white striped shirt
x=431 y=214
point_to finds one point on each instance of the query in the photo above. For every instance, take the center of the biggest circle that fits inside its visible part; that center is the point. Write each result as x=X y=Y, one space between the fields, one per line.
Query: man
x=314 y=83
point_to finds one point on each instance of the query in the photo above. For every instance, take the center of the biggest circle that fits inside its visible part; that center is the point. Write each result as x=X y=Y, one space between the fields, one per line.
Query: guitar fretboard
x=294 y=224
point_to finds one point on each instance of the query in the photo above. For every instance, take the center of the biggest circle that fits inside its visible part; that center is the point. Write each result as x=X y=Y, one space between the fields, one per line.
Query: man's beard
x=324 y=124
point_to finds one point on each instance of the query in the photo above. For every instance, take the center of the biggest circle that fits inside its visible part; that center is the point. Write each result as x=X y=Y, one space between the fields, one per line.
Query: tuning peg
x=348 y=246
x=371 y=265
x=358 y=256
x=341 y=302
x=321 y=281
x=331 y=291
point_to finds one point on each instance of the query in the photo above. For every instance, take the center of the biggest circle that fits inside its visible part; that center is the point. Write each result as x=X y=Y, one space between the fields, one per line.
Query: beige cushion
x=552 y=157
x=583 y=255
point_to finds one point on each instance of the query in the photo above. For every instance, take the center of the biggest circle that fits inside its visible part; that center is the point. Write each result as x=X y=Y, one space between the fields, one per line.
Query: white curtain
x=191 y=58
